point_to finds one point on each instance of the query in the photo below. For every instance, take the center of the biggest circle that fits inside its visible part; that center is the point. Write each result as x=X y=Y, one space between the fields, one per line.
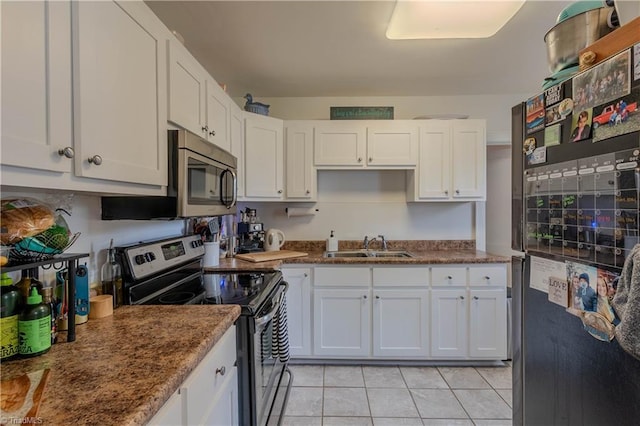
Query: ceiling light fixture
x=423 y=19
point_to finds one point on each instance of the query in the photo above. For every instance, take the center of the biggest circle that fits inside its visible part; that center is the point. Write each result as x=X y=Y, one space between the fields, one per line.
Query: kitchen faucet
x=368 y=241
x=384 y=242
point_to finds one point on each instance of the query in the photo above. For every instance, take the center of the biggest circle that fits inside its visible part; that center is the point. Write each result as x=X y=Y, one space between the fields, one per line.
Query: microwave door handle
x=234 y=194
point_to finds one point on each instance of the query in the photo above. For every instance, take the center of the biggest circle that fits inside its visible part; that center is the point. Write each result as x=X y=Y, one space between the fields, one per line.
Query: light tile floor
x=399 y=395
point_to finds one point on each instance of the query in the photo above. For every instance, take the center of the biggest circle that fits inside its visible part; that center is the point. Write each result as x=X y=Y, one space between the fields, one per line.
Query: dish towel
x=281 y=332
x=626 y=303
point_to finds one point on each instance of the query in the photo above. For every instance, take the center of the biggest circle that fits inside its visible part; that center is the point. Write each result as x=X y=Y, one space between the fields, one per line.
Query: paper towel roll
x=299 y=211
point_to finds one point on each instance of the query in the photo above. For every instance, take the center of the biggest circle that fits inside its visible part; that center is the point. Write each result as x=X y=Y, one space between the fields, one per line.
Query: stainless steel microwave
x=202 y=181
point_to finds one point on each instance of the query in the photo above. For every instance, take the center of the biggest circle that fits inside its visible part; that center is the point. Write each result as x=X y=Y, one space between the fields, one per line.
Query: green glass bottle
x=10 y=308
x=34 y=326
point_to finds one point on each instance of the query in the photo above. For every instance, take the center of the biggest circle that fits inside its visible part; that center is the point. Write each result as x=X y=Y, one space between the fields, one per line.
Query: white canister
x=211 y=254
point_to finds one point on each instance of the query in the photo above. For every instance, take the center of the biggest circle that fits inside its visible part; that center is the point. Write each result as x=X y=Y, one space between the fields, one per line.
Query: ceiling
x=339 y=48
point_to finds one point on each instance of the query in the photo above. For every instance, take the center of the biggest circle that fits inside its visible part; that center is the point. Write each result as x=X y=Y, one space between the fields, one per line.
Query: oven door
x=268 y=366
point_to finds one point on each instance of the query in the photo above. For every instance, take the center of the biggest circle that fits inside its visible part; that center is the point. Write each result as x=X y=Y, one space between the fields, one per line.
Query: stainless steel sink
x=392 y=254
x=345 y=254
x=368 y=253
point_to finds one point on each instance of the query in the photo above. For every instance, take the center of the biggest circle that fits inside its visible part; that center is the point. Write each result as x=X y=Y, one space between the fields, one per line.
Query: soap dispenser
x=332 y=243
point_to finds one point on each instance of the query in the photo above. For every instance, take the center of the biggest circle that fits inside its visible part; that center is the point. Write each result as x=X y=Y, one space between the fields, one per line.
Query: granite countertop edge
x=147 y=368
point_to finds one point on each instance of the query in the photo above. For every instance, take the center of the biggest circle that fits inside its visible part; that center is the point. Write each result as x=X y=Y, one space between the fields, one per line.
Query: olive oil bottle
x=10 y=308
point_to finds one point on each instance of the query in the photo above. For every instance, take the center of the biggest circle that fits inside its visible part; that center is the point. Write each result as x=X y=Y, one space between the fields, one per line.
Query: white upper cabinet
x=119 y=73
x=374 y=144
x=263 y=158
x=236 y=138
x=392 y=143
x=468 y=149
x=452 y=162
x=36 y=85
x=340 y=143
x=218 y=115
x=300 y=172
x=187 y=90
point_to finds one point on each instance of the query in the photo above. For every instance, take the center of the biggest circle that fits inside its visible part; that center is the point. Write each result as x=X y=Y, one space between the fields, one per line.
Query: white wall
x=498 y=215
x=95 y=233
x=496 y=109
x=358 y=203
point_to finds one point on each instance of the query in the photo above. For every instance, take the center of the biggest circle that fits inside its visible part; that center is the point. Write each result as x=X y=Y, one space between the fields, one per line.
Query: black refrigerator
x=575 y=201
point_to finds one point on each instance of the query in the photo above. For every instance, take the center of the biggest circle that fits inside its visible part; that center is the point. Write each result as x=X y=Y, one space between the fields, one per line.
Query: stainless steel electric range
x=169 y=272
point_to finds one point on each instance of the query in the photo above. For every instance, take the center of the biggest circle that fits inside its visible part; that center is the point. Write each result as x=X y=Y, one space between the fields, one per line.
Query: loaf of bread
x=21 y=218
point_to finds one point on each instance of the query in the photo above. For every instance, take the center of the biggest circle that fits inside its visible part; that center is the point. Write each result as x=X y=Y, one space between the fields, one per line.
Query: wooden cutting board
x=265 y=256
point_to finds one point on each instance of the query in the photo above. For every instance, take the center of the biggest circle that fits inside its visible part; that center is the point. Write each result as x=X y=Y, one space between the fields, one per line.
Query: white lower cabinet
x=298 y=310
x=342 y=322
x=413 y=312
x=449 y=323
x=401 y=323
x=209 y=396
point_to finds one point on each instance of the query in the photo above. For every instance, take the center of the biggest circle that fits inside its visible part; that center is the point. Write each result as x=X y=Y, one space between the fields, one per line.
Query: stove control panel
x=146 y=259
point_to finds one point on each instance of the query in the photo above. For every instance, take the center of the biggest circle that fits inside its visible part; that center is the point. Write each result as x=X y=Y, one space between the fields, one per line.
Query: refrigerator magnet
x=529 y=145
x=566 y=107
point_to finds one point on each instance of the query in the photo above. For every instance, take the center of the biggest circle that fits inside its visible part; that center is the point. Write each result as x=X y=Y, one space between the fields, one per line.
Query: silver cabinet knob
x=205 y=129
x=446 y=192
x=457 y=191
x=475 y=297
x=461 y=297
x=359 y=159
x=370 y=159
x=96 y=159
x=486 y=277
x=364 y=297
x=449 y=277
x=307 y=192
x=377 y=297
x=67 y=151
x=280 y=191
x=212 y=133
x=221 y=370
x=306 y=275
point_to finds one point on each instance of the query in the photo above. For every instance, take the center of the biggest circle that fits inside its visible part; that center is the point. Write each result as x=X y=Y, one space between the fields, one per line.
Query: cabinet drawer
x=401 y=276
x=204 y=382
x=342 y=276
x=444 y=276
x=495 y=275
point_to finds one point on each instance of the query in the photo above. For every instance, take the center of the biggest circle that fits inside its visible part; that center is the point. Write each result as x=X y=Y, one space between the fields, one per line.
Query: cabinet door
x=217 y=126
x=434 y=172
x=263 y=157
x=236 y=130
x=340 y=144
x=392 y=144
x=488 y=324
x=469 y=159
x=36 y=84
x=300 y=171
x=187 y=89
x=341 y=322
x=401 y=323
x=119 y=92
x=214 y=378
x=448 y=323
x=171 y=412
x=224 y=407
x=299 y=310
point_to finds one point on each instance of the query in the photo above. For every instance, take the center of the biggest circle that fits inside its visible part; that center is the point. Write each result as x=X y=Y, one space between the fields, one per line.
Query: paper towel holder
x=299 y=211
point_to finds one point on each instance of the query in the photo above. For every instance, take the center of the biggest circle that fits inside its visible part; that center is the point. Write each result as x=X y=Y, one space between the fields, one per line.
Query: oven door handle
x=264 y=320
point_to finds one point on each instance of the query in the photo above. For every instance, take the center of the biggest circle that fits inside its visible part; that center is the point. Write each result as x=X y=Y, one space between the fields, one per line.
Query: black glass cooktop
x=249 y=290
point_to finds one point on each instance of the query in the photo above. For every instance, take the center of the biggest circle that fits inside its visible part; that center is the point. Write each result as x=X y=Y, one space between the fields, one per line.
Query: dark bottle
x=111 y=277
x=29 y=279
x=34 y=326
x=49 y=300
x=10 y=308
